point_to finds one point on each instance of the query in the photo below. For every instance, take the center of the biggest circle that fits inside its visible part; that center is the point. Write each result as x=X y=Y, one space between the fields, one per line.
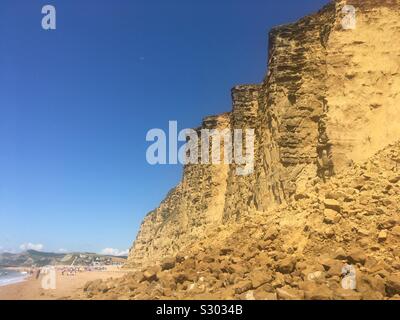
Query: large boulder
x=243 y=286
x=318 y=292
x=150 y=274
x=393 y=285
x=288 y=293
x=356 y=256
x=344 y=294
x=286 y=265
x=331 y=216
x=260 y=277
x=168 y=263
x=332 y=204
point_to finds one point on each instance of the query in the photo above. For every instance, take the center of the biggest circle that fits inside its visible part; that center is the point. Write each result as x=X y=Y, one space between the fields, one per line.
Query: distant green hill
x=37 y=258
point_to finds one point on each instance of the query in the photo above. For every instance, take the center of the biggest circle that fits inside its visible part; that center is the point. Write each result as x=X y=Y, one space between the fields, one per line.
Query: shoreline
x=13 y=281
x=22 y=274
x=67 y=286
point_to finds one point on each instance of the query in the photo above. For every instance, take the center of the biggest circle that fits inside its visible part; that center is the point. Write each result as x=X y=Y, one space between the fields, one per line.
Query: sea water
x=8 y=276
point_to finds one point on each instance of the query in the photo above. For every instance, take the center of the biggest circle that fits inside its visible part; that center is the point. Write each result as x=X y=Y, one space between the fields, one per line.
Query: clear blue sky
x=76 y=104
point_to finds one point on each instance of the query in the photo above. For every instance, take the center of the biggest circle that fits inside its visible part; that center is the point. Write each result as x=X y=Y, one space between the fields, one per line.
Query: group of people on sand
x=70 y=271
x=64 y=270
x=73 y=270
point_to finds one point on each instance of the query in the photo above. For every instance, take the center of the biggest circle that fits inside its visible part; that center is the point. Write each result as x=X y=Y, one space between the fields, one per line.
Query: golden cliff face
x=330 y=97
x=188 y=210
x=363 y=82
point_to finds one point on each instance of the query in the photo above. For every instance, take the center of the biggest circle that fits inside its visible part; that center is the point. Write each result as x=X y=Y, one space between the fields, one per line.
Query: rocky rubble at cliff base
x=294 y=251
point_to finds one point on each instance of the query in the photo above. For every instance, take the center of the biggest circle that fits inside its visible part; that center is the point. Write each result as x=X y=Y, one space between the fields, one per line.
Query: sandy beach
x=67 y=286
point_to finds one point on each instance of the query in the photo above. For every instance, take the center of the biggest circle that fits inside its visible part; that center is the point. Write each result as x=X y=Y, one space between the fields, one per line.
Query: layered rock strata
x=329 y=100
